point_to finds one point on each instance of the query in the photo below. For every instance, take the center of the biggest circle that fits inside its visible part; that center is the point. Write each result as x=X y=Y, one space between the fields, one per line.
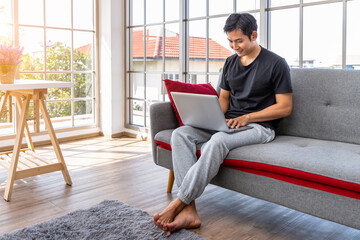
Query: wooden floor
x=123 y=169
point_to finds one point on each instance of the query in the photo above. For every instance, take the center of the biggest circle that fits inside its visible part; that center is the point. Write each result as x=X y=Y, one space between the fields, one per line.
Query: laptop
x=202 y=111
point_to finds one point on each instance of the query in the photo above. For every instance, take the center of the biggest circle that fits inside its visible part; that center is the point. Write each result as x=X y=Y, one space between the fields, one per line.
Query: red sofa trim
x=303 y=182
x=298 y=174
x=302 y=178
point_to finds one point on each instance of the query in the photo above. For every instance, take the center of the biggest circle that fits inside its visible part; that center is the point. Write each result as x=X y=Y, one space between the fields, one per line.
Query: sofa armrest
x=162 y=117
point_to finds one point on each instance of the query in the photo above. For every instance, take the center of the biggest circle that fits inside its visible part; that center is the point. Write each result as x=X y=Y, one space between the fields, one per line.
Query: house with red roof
x=154 y=51
x=86 y=49
x=154 y=59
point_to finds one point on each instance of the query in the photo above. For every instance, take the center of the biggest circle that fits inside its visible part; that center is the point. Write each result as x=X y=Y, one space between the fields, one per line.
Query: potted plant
x=9 y=62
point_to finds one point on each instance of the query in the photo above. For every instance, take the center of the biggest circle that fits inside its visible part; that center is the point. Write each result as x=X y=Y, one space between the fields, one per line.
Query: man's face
x=241 y=43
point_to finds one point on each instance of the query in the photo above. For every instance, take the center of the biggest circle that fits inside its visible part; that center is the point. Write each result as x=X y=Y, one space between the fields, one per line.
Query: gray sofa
x=312 y=166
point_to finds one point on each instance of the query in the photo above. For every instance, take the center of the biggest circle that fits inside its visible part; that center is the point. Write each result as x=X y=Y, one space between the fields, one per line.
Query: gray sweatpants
x=192 y=175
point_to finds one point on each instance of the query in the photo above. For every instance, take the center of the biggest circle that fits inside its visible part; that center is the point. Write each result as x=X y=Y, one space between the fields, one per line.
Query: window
x=164 y=44
x=284 y=35
x=153 y=55
x=59 y=44
x=312 y=40
x=187 y=40
x=320 y=30
x=353 y=35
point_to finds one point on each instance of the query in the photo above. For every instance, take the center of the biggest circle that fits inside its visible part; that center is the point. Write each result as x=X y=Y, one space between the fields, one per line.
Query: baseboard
x=8 y=145
x=126 y=134
x=41 y=140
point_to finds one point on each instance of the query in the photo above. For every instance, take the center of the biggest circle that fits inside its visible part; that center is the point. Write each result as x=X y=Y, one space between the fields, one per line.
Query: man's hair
x=241 y=21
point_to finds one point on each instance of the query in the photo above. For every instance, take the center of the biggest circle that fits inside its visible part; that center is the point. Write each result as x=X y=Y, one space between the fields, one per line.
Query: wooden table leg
x=10 y=111
x=3 y=103
x=36 y=116
x=53 y=139
x=27 y=130
x=17 y=147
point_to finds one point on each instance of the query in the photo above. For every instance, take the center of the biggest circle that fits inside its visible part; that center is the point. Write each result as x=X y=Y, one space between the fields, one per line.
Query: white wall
x=111 y=66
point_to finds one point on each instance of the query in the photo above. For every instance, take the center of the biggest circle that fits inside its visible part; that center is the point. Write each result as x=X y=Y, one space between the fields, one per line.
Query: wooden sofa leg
x=170 y=181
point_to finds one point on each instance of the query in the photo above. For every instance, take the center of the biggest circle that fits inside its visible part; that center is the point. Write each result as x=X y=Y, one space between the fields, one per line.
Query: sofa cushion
x=329 y=163
x=176 y=86
x=326 y=105
x=328 y=158
x=163 y=140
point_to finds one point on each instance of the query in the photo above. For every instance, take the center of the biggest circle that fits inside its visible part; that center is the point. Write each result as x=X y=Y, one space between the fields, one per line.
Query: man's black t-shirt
x=253 y=87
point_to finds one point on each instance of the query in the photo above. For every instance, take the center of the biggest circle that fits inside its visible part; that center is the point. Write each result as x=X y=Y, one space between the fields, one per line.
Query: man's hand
x=238 y=122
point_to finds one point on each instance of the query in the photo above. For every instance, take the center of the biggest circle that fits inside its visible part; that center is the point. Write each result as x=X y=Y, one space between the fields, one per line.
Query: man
x=255 y=91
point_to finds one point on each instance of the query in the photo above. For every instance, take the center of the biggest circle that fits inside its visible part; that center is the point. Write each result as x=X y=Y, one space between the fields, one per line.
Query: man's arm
x=282 y=108
x=224 y=100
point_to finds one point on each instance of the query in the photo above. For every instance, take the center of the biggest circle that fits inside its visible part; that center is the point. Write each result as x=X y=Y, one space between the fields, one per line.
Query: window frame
x=264 y=23
x=15 y=25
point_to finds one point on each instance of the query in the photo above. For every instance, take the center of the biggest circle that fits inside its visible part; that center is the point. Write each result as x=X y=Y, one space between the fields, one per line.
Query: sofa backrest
x=326 y=105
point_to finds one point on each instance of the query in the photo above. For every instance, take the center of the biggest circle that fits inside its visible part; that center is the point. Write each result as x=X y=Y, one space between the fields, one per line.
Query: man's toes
x=156 y=217
x=171 y=227
x=157 y=221
x=161 y=225
x=164 y=226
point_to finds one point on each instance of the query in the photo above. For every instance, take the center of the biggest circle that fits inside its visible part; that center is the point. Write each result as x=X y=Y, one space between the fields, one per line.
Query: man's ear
x=254 y=36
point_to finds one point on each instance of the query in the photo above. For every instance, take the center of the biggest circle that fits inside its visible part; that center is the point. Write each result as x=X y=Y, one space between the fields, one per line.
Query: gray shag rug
x=110 y=219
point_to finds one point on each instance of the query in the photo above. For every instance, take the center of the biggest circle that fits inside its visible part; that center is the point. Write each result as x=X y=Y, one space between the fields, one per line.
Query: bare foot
x=187 y=218
x=168 y=214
